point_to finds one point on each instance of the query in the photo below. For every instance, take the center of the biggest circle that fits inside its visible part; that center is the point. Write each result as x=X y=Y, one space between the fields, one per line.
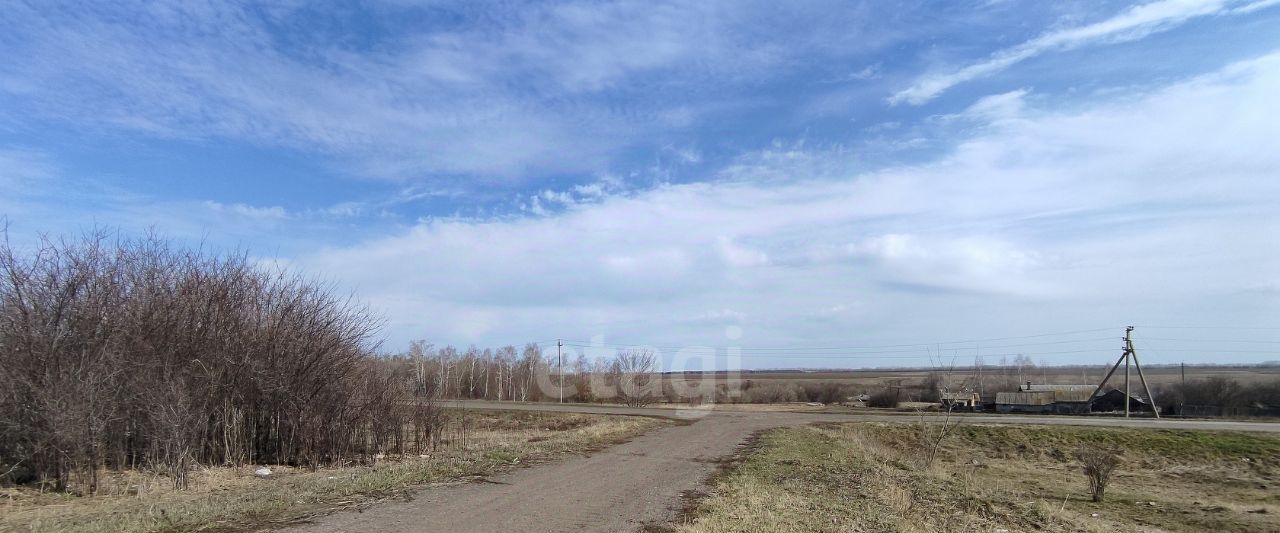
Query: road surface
x=636 y=485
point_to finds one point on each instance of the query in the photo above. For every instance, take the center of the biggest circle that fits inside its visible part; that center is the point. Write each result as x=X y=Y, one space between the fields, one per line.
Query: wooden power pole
x=1129 y=353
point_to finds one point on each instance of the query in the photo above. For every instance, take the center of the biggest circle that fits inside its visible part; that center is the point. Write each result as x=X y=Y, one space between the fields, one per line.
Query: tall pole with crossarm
x=1125 y=357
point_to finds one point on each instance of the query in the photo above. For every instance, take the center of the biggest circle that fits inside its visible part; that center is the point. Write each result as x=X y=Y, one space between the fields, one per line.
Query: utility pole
x=560 y=368
x=1129 y=352
x=1126 y=371
x=1141 y=377
x=1182 y=392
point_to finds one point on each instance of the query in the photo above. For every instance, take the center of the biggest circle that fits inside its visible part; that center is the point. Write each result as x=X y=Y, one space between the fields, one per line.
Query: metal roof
x=1025 y=398
x=1073 y=395
x=1055 y=387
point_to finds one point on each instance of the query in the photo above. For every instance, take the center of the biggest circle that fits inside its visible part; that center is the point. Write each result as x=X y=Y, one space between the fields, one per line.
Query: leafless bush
x=120 y=353
x=933 y=432
x=888 y=396
x=931 y=387
x=633 y=374
x=1097 y=465
x=771 y=393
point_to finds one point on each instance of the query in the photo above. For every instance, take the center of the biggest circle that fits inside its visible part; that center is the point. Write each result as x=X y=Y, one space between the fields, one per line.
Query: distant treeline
x=135 y=353
x=1221 y=396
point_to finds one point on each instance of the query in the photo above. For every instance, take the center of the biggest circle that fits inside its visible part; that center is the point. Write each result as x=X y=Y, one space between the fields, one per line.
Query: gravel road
x=634 y=485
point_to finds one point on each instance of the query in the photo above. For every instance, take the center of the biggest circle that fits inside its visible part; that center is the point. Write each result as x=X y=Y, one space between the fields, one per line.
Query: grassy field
x=869 y=477
x=476 y=443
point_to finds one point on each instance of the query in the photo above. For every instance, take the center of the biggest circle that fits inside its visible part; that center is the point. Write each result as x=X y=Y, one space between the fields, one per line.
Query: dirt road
x=629 y=486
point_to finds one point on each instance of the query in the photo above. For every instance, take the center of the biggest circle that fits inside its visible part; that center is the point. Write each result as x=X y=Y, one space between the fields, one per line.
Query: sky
x=820 y=184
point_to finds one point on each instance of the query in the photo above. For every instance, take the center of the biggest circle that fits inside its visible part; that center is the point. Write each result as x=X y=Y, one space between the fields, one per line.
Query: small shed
x=965 y=400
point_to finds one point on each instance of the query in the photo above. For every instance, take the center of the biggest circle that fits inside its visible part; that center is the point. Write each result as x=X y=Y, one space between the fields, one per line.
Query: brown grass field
x=1156 y=375
x=476 y=443
x=870 y=477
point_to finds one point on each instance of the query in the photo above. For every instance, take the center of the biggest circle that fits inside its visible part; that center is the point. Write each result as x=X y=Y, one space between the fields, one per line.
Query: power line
x=860 y=349
x=931 y=350
x=926 y=356
x=1273 y=328
x=1241 y=341
x=582 y=343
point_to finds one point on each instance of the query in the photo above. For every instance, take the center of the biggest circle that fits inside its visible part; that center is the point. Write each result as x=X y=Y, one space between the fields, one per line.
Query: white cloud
x=1132 y=24
x=1139 y=207
x=738 y=255
x=440 y=104
x=998 y=107
x=248 y=211
x=512 y=94
x=24 y=168
x=721 y=316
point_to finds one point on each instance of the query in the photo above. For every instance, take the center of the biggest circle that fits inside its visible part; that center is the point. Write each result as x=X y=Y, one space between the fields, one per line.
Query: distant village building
x=1113 y=401
x=1065 y=399
x=1025 y=402
x=960 y=400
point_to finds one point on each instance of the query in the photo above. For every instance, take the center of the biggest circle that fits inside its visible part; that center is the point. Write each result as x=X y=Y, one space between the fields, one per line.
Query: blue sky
x=809 y=174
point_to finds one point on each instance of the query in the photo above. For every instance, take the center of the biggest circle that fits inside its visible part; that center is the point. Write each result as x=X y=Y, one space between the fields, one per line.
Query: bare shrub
x=634 y=376
x=886 y=397
x=933 y=432
x=771 y=393
x=1097 y=465
x=931 y=387
x=134 y=353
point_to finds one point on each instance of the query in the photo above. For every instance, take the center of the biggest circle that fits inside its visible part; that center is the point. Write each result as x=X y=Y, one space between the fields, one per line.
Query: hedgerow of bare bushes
x=135 y=353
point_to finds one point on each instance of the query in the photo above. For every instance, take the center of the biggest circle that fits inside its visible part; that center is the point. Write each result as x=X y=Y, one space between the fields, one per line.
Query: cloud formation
x=1104 y=214
x=659 y=171
x=504 y=94
x=1131 y=24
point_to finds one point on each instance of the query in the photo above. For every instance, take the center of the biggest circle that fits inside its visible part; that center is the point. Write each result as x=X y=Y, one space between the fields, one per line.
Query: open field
x=645 y=482
x=1206 y=390
x=1080 y=375
x=474 y=443
x=869 y=477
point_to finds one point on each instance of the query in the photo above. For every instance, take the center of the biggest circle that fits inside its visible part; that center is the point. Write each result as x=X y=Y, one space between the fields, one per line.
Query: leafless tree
x=934 y=430
x=634 y=376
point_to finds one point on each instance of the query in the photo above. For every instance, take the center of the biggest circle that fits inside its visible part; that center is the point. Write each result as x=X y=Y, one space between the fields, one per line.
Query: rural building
x=1065 y=399
x=1025 y=401
x=1113 y=401
x=964 y=400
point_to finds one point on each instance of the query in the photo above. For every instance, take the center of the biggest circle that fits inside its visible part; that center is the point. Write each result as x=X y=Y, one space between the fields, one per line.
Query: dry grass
x=477 y=443
x=867 y=477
